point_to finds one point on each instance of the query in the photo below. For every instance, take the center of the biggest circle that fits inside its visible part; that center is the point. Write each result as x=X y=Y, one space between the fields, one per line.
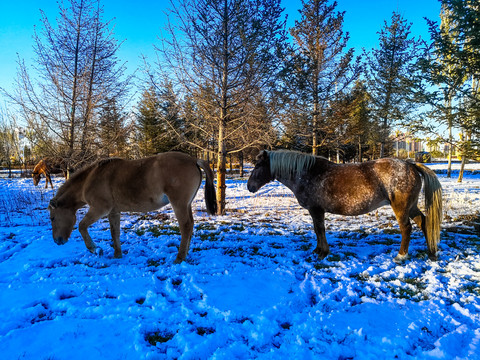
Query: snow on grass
x=250 y=287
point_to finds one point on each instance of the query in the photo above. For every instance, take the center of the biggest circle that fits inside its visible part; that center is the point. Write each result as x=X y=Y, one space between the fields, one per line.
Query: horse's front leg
x=114 y=220
x=318 y=217
x=48 y=179
x=92 y=216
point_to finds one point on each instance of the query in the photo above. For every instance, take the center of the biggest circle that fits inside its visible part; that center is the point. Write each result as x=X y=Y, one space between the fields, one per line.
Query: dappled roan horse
x=47 y=166
x=353 y=189
x=114 y=185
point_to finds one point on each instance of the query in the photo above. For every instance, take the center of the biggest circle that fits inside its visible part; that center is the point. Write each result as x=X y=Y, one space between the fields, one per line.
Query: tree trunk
x=315 y=112
x=462 y=168
x=221 y=168
x=222 y=124
x=450 y=139
x=314 y=129
x=360 y=155
x=241 y=164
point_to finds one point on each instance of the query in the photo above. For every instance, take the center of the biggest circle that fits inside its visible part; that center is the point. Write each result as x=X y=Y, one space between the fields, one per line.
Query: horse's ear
x=52 y=204
x=262 y=155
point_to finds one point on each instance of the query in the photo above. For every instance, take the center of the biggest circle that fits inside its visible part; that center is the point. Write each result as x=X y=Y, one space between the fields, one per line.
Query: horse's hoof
x=321 y=254
x=178 y=261
x=400 y=259
x=99 y=251
x=117 y=255
x=433 y=257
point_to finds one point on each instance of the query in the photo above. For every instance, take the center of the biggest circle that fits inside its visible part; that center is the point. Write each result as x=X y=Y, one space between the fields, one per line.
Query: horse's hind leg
x=403 y=219
x=185 y=222
x=417 y=216
x=114 y=220
x=318 y=217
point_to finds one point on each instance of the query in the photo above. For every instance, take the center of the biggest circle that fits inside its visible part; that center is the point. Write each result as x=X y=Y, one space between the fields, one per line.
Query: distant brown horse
x=115 y=185
x=47 y=166
x=352 y=189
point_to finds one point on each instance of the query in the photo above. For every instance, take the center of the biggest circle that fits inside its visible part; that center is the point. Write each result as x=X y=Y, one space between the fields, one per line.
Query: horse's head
x=63 y=220
x=261 y=173
x=36 y=178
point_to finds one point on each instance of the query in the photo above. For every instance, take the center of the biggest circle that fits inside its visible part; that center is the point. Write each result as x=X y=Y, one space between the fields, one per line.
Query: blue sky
x=139 y=23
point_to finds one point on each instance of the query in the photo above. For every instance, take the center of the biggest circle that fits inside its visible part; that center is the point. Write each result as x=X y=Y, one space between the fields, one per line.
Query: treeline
x=231 y=78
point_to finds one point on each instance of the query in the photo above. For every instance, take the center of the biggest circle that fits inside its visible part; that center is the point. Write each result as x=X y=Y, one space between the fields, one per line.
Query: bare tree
x=11 y=151
x=76 y=74
x=222 y=55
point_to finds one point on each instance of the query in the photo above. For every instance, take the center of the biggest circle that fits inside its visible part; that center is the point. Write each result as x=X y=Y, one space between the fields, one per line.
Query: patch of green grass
x=176 y=282
x=239 y=251
x=387 y=242
x=237 y=227
x=349 y=254
x=157 y=230
x=158 y=337
x=205 y=330
x=140 y=232
x=153 y=262
x=323 y=266
x=472 y=288
x=406 y=293
x=205 y=226
x=334 y=257
x=415 y=292
x=208 y=236
x=360 y=277
x=305 y=247
x=391 y=231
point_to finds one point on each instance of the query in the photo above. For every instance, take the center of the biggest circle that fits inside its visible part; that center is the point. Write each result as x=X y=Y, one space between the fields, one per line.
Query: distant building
x=405 y=142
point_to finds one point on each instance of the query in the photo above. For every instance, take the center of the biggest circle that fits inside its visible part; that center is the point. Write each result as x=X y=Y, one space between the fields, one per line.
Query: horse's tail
x=210 y=199
x=433 y=206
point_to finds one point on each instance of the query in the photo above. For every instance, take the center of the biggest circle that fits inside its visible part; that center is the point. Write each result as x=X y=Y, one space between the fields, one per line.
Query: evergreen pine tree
x=391 y=76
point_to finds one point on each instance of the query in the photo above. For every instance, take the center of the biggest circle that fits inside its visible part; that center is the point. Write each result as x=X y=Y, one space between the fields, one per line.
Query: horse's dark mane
x=284 y=163
x=107 y=161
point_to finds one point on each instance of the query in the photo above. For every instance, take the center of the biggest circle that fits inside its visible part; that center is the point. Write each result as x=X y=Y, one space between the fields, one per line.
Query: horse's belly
x=356 y=208
x=145 y=205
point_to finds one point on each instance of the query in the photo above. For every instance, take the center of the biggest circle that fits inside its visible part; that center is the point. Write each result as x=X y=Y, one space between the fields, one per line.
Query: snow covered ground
x=250 y=288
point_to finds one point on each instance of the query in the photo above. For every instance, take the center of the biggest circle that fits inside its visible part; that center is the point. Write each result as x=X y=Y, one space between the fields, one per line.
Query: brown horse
x=47 y=166
x=352 y=189
x=115 y=185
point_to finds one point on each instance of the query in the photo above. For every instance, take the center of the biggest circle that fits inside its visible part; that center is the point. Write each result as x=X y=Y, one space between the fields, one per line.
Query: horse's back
x=397 y=174
x=358 y=188
x=143 y=184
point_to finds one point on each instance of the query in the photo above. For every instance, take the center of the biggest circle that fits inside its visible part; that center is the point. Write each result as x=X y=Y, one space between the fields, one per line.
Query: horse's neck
x=39 y=167
x=290 y=182
x=72 y=191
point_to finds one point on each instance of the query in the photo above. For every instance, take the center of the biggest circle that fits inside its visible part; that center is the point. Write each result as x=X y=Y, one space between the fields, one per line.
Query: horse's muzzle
x=60 y=241
x=252 y=188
